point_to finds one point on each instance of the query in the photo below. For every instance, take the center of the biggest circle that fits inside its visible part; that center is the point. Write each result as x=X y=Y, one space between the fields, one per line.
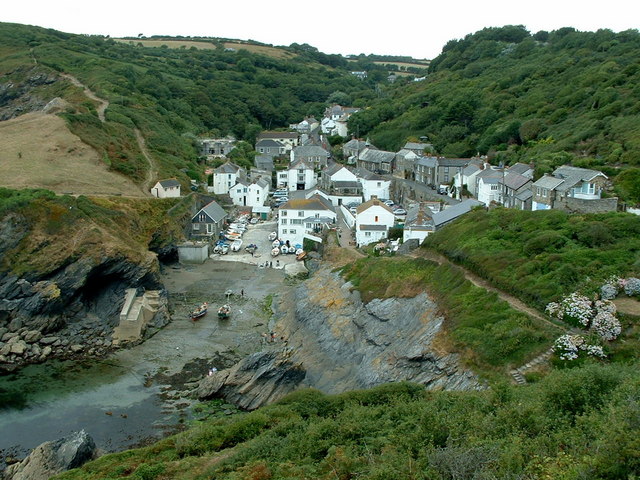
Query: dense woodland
x=549 y=98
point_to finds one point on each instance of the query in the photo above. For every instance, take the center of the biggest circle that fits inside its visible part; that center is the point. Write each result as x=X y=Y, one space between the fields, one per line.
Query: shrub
x=545 y=242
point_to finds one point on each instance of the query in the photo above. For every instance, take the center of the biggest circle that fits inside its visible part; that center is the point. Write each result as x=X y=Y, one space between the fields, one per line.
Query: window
x=292 y=232
x=494 y=187
x=544 y=192
x=367 y=234
x=196 y=226
x=296 y=221
x=284 y=231
x=283 y=213
x=283 y=221
x=301 y=213
x=379 y=184
x=239 y=190
x=376 y=219
x=229 y=176
x=317 y=215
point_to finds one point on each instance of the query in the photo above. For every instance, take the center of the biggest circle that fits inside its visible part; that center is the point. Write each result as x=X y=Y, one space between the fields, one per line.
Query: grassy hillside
x=579 y=423
x=548 y=98
x=171 y=95
x=543 y=255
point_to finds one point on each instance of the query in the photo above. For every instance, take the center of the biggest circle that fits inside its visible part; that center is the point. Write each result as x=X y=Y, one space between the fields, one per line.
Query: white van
x=281 y=192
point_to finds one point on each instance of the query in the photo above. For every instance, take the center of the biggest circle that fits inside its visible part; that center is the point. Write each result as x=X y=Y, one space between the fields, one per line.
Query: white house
x=304 y=216
x=467 y=177
x=373 y=221
x=373 y=185
x=225 y=177
x=166 y=189
x=288 y=139
x=419 y=223
x=489 y=185
x=301 y=176
x=247 y=194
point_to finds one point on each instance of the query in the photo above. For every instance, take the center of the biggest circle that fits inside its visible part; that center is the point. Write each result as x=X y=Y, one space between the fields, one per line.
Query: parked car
x=281 y=192
x=400 y=211
x=388 y=203
x=353 y=210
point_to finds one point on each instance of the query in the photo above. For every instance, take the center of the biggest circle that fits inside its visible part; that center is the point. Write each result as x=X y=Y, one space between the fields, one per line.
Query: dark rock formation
x=51 y=458
x=259 y=379
x=78 y=303
x=328 y=339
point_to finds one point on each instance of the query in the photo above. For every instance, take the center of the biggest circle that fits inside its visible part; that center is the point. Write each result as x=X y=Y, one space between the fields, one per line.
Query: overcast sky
x=418 y=28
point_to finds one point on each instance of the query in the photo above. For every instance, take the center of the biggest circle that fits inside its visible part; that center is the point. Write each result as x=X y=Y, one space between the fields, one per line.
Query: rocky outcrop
x=259 y=379
x=327 y=338
x=51 y=458
x=20 y=97
x=69 y=311
x=344 y=344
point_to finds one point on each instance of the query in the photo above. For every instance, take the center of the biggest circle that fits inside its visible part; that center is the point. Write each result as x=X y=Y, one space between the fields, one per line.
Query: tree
x=339 y=97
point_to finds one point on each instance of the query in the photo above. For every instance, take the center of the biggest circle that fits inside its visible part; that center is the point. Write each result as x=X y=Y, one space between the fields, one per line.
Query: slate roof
x=316 y=202
x=213 y=211
x=333 y=168
x=377 y=156
x=310 y=151
x=515 y=181
x=470 y=169
x=267 y=142
x=355 y=144
x=574 y=175
x=420 y=216
x=429 y=162
x=169 y=183
x=373 y=202
x=520 y=168
x=453 y=212
x=227 y=167
x=490 y=176
x=368 y=175
x=416 y=146
x=547 y=181
x=261 y=182
x=453 y=162
x=375 y=228
x=524 y=195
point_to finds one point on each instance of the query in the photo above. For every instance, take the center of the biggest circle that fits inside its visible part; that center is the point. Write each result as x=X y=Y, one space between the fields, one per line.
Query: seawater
x=48 y=401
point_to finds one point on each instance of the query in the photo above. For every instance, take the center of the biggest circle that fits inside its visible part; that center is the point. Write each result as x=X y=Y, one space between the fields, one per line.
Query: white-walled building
x=166 y=189
x=247 y=194
x=419 y=223
x=467 y=177
x=373 y=185
x=302 y=216
x=489 y=185
x=225 y=177
x=373 y=221
x=301 y=176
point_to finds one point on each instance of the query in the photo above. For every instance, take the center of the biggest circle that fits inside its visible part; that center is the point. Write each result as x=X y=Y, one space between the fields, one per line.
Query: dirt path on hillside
x=152 y=173
x=482 y=283
x=103 y=104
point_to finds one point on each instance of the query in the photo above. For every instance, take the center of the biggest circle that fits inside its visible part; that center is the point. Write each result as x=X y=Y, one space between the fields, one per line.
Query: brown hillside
x=37 y=150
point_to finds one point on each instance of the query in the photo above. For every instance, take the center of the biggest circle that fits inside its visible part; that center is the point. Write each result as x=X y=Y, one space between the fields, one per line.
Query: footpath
x=517 y=304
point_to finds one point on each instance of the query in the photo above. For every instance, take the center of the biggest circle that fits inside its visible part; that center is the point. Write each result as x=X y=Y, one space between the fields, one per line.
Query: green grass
x=541 y=256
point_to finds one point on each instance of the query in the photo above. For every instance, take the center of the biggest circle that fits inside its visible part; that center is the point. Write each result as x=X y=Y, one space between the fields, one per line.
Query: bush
x=545 y=242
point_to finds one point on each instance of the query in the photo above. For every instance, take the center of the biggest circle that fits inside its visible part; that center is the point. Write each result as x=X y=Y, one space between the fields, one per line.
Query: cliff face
x=328 y=339
x=69 y=310
x=344 y=344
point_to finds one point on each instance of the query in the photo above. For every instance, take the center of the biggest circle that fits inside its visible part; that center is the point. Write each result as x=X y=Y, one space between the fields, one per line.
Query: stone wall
x=579 y=205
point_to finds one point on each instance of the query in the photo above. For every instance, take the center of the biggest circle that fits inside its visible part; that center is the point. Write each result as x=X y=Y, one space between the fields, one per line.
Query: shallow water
x=110 y=401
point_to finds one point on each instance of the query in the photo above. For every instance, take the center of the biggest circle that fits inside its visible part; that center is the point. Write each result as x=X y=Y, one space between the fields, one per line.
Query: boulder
x=51 y=458
x=76 y=348
x=261 y=378
x=32 y=336
x=48 y=340
x=18 y=347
